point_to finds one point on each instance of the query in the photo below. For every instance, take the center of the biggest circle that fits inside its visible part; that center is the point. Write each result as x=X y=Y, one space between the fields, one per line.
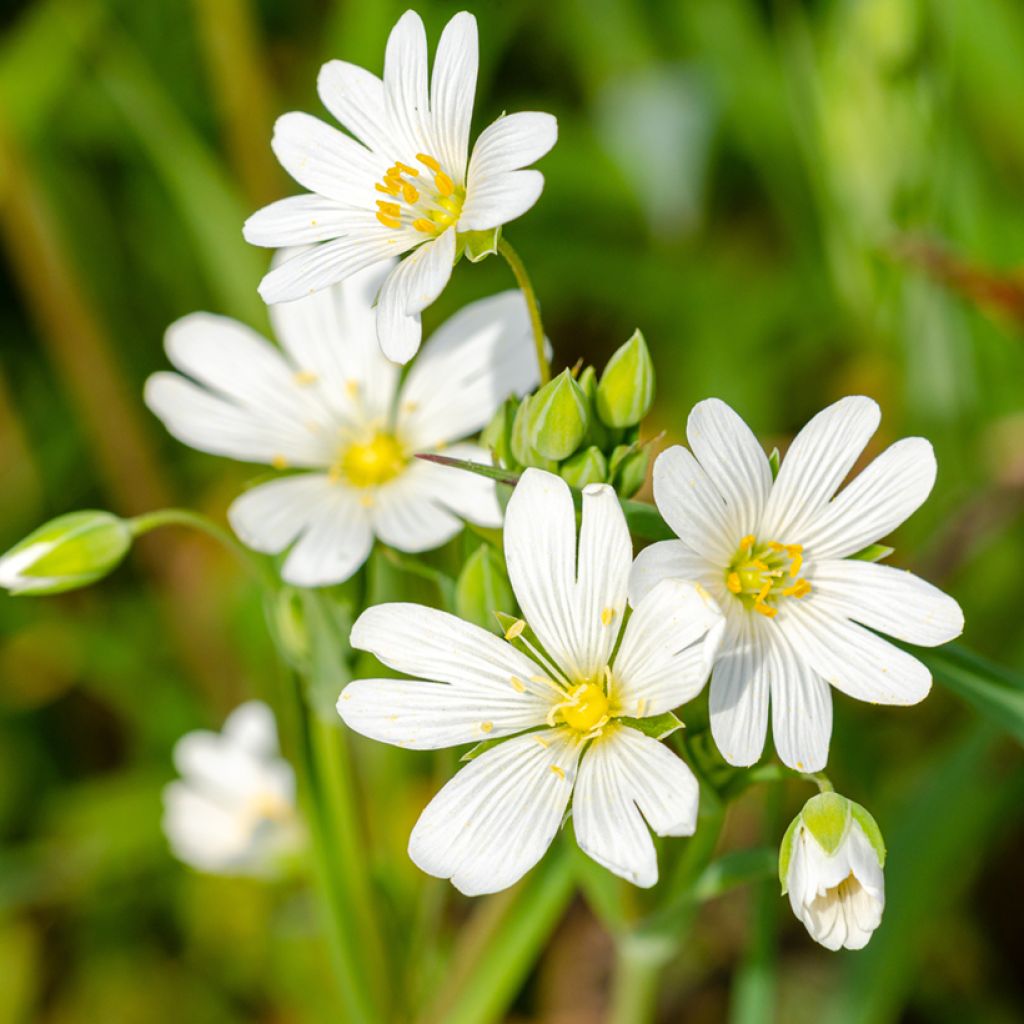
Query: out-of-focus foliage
x=793 y=201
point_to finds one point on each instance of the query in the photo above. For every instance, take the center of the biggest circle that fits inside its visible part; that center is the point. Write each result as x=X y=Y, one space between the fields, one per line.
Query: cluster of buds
x=584 y=428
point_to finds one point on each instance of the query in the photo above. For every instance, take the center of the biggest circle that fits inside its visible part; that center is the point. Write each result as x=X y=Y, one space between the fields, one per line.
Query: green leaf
x=657 y=726
x=502 y=476
x=731 y=870
x=481 y=748
x=645 y=521
x=873 y=553
x=774 y=461
x=483 y=588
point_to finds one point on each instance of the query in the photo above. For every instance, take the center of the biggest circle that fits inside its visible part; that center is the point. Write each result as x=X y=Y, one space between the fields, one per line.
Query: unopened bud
x=483 y=589
x=558 y=417
x=628 y=469
x=586 y=467
x=68 y=552
x=497 y=435
x=626 y=390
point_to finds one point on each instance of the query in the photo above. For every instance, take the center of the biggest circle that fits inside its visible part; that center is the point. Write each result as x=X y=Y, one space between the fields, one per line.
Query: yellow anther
x=767 y=610
x=606 y=616
x=486 y=726
x=760 y=566
x=586 y=708
x=389 y=186
x=426 y=226
x=388 y=221
x=366 y=500
x=796 y=565
x=409 y=194
x=351 y=387
x=776 y=546
x=392 y=208
x=305 y=377
x=540 y=741
x=428 y=161
x=763 y=593
x=558 y=771
x=732 y=581
x=748 y=541
x=401 y=168
x=279 y=462
x=641 y=706
x=515 y=629
x=444 y=184
x=518 y=685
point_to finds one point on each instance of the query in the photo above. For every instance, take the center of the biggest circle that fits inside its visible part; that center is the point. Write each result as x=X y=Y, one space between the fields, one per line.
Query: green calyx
x=626 y=390
x=557 y=420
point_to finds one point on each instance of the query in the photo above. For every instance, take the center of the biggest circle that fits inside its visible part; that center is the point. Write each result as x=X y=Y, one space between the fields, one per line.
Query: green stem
x=148 y=521
x=514 y=261
x=639 y=961
x=820 y=779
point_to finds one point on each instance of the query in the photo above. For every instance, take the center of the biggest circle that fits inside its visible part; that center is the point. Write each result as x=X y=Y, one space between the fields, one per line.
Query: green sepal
x=482 y=748
x=598 y=435
x=872 y=553
x=656 y=726
x=478 y=245
x=483 y=588
x=786 y=853
x=871 y=830
x=557 y=418
x=626 y=390
x=497 y=435
x=827 y=817
x=629 y=471
x=774 y=461
x=586 y=467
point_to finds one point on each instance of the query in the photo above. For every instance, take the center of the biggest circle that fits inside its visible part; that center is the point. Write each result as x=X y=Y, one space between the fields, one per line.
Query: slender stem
x=639 y=962
x=821 y=780
x=197 y=521
x=512 y=258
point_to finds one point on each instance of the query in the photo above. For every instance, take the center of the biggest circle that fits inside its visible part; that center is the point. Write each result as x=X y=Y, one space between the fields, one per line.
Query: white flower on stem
x=233 y=810
x=778 y=557
x=564 y=689
x=331 y=409
x=831 y=864
x=402 y=182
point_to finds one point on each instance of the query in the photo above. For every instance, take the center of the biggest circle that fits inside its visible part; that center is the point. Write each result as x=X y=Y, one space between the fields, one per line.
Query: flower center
x=586 y=708
x=370 y=463
x=414 y=203
x=760 y=574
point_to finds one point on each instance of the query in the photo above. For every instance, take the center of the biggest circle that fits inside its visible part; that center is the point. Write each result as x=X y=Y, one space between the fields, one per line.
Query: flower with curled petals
x=566 y=697
x=403 y=181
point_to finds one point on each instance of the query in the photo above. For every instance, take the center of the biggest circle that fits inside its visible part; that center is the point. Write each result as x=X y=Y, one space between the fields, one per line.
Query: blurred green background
x=794 y=201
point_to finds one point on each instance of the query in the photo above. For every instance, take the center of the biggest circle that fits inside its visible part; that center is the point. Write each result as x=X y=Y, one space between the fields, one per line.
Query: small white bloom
x=831 y=865
x=403 y=181
x=776 y=555
x=565 y=705
x=233 y=810
x=331 y=407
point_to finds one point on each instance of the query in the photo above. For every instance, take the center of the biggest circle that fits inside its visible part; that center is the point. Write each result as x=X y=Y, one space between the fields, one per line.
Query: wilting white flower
x=831 y=863
x=403 y=181
x=331 y=408
x=569 y=699
x=233 y=810
x=778 y=556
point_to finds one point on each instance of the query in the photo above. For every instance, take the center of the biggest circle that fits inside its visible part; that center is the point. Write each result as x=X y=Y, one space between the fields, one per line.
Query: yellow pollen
x=305 y=377
x=279 y=462
x=401 y=168
x=515 y=629
x=388 y=221
x=428 y=227
x=429 y=161
x=558 y=771
x=486 y=726
x=370 y=463
x=586 y=708
x=733 y=582
x=748 y=541
x=606 y=616
x=444 y=184
x=518 y=685
x=351 y=388
x=761 y=574
x=389 y=186
x=392 y=208
x=431 y=210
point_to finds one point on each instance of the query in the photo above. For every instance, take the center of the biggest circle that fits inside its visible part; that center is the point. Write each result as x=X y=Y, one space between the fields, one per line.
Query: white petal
x=665 y=560
x=511 y=143
x=496 y=200
x=872 y=505
x=889 y=600
x=355 y=97
x=252 y=727
x=816 y=464
x=623 y=775
x=576 y=612
x=498 y=816
x=425 y=715
x=405 y=84
x=801 y=707
x=270 y=516
x=410 y=288
x=467 y=368
x=325 y=161
x=201 y=831
x=331 y=262
x=407 y=515
x=332 y=339
x=733 y=460
x=852 y=659
x=692 y=507
x=668 y=648
x=299 y=220
x=452 y=87
x=739 y=691
x=469 y=496
x=432 y=644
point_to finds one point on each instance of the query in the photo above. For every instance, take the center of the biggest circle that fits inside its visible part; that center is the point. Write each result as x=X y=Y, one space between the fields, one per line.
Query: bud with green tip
x=628 y=469
x=831 y=863
x=598 y=435
x=68 y=552
x=483 y=589
x=626 y=390
x=586 y=467
x=497 y=435
x=558 y=418
x=522 y=451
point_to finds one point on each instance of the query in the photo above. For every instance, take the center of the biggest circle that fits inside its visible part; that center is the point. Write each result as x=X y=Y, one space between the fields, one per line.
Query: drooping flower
x=402 y=182
x=568 y=695
x=331 y=410
x=233 y=810
x=831 y=863
x=778 y=556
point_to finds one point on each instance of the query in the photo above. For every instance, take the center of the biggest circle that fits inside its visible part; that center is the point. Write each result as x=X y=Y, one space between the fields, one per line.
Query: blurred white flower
x=233 y=810
x=831 y=866
x=403 y=181
x=331 y=407
x=570 y=705
x=776 y=555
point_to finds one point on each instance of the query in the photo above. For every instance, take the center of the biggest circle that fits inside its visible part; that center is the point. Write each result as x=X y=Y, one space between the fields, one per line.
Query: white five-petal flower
x=776 y=555
x=233 y=810
x=331 y=406
x=402 y=182
x=561 y=697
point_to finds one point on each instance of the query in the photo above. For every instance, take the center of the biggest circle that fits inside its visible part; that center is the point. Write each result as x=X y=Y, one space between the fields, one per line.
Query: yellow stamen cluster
x=403 y=184
x=586 y=708
x=370 y=463
x=760 y=573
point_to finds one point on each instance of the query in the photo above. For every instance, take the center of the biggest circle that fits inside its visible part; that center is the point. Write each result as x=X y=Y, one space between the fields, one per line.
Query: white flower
x=233 y=811
x=831 y=865
x=330 y=406
x=404 y=183
x=777 y=558
x=564 y=704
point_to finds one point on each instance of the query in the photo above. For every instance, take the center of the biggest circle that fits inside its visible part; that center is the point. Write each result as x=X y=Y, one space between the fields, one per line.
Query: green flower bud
x=558 y=417
x=586 y=467
x=626 y=391
x=628 y=469
x=483 y=589
x=68 y=552
x=497 y=435
x=598 y=435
